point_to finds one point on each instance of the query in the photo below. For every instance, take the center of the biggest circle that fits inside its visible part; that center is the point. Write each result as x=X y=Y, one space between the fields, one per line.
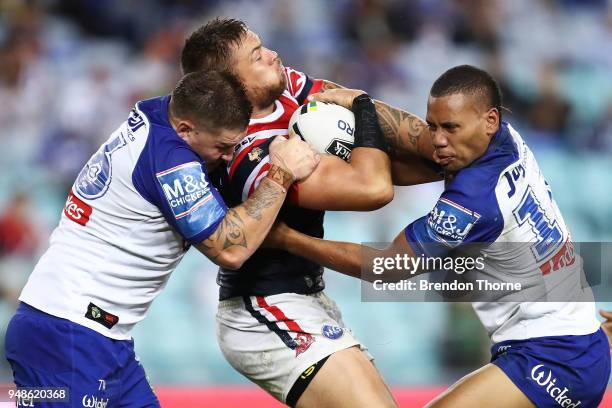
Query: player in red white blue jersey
x=275 y=324
x=544 y=353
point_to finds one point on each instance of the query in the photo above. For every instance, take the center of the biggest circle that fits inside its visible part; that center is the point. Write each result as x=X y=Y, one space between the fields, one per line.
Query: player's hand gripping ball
x=327 y=127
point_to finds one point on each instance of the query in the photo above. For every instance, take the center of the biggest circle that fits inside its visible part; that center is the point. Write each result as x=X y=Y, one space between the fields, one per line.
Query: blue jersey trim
x=301 y=98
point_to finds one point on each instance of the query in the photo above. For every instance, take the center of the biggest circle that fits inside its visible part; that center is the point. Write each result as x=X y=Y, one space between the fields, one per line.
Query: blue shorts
x=47 y=351
x=566 y=371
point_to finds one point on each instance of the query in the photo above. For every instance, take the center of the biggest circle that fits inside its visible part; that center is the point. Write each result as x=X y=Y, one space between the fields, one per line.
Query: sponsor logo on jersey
x=94 y=402
x=544 y=378
x=101 y=316
x=185 y=188
x=564 y=258
x=77 y=210
x=513 y=176
x=451 y=221
x=340 y=148
x=332 y=332
x=135 y=122
x=302 y=343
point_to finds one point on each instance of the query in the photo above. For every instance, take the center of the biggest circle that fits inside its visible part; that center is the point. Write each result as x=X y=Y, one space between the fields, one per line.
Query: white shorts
x=271 y=340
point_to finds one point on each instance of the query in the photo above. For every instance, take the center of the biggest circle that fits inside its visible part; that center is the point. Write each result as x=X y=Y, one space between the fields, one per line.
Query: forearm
x=404 y=132
x=362 y=185
x=369 y=159
x=344 y=257
x=244 y=227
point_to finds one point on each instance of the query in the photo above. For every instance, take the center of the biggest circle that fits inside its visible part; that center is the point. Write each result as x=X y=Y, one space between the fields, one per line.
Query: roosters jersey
x=503 y=203
x=131 y=214
x=270 y=271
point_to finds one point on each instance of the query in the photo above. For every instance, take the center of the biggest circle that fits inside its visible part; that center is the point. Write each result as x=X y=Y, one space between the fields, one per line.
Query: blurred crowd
x=71 y=69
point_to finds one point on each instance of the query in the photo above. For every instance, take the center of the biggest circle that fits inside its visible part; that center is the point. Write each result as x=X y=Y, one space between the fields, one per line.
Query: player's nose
x=273 y=55
x=439 y=139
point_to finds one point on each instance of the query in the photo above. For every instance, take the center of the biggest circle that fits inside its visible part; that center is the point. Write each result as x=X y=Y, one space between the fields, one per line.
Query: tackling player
x=547 y=354
x=132 y=213
x=275 y=325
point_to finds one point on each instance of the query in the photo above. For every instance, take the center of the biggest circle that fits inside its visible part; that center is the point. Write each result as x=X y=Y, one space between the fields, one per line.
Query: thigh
x=347 y=379
x=488 y=386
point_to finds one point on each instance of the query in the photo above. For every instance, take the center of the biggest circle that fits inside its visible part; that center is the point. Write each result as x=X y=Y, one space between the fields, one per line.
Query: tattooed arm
x=410 y=146
x=244 y=227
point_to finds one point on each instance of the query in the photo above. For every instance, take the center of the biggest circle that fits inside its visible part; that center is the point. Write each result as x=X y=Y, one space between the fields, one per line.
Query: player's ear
x=185 y=129
x=492 y=120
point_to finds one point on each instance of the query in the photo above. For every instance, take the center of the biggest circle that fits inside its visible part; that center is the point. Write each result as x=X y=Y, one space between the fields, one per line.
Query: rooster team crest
x=302 y=343
x=256 y=154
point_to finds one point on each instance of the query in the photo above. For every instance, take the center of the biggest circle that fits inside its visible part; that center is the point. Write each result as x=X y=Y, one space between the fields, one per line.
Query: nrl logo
x=256 y=154
x=340 y=148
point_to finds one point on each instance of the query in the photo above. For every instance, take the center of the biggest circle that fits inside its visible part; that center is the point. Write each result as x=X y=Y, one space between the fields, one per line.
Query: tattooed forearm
x=230 y=232
x=327 y=85
x=402 y=129
x=389 y=120
x=265 y=195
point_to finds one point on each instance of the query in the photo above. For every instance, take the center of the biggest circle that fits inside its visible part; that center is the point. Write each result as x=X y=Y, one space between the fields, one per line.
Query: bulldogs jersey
x=503 y=203
x=270 y=271
x=131 y=214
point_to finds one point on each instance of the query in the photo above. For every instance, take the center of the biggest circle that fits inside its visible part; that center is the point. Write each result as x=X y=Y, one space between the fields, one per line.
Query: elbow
x=379 y=195
x=230 y=260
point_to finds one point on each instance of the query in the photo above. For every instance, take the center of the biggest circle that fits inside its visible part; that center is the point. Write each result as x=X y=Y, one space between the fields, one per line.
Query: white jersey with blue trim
x=132 y=212
x=502 y=204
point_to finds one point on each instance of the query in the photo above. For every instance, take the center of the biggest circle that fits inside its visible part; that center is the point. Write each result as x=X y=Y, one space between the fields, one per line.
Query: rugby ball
x=327 y=127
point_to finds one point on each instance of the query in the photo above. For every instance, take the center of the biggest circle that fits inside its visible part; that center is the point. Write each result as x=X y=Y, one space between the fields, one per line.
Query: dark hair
x=209 y=47
x=467 y=79
x=214 y=100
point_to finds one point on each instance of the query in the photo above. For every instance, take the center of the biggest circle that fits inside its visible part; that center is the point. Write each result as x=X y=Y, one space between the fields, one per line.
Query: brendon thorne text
x=425 y=285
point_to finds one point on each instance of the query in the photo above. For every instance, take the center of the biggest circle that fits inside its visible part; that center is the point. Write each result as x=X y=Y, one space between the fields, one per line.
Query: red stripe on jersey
x=264 y=168
x=280 y=316
x=281 y=123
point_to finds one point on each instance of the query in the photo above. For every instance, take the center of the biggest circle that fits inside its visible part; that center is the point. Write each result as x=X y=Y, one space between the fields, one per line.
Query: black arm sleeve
x=367 y=129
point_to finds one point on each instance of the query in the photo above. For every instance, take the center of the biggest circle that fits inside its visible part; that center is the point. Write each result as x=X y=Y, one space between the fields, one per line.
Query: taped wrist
x=280 y=176
x=368 y=132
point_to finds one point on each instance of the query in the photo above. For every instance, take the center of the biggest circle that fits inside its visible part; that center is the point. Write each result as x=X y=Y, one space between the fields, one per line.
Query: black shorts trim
x=302 y=382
